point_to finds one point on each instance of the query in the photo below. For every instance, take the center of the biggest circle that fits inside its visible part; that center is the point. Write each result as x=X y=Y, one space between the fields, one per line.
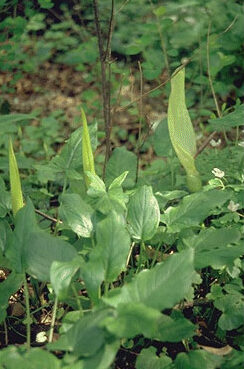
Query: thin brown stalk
x=140 y=121
x=122 y=108
x=105 y=63
x=46 y=216
x=209 y=74
x=166 y=60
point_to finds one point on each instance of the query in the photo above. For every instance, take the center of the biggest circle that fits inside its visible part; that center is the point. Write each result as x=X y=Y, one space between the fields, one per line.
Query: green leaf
x=108 y=259
x=193 y=209
x=149 y=360
x=61 y=274
x=76 y=214
x=181 y=131
x=14 y=118
x=15 y=185
x=13 y=357
x=113 y=242
x=87 y=154
x=229 y=121
x=143 y=214
x=198 y=359
x=41 y=250
x=70 y=157
x=112 y=200
x=103 y=359
x=161 y=140
x=160 y=287
x=96 y=186
x=174 y=330
x=25 y=222
x=133 y=318
x=7 y=288
x=86 y=336
x=120 y=161
x=212 y=247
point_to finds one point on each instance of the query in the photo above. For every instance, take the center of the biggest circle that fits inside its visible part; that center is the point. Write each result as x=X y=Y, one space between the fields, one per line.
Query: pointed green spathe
x=87 y=154
x=181 y=131
x=15 y=185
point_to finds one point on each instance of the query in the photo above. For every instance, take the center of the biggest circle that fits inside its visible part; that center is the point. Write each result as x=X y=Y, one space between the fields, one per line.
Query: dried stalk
x=105 y=62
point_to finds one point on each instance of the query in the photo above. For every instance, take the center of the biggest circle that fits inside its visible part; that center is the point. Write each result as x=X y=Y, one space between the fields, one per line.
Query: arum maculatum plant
x=181 y=131
x=87 y=154
x=15 y=185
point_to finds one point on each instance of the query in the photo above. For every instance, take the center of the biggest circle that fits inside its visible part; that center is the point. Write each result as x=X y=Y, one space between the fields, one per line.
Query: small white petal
x=218 y=173
x=214 y=143
x=232 y=206
x=41 y=337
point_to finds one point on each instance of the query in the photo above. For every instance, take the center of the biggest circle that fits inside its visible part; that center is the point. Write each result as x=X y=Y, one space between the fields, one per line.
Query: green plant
x=16 y=192
x=181 y=130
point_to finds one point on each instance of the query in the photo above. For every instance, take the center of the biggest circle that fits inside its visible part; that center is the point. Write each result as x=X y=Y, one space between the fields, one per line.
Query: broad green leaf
x=7 y=119
x=70 y=158
x=25 y=222
x=212 y=247
x=76 y=214
x=5 y=232
x=120 y=161
x=5 y=199
x=61 y=274
x=92 y=273
x=229 y=121
x=133 y=318
x=174 y=330
x=41 y=250
x=87 y=154
x=197 y=359
x=14 y=357
x=160 y=287
x=106 y=201
x=97 y=187
x=86 y=336
x=15 y=185
x=193 y=209
x=181 y=131
x=7 y=288
x=103 y=359
x=143 y=214
x=161 y=140
x=108 y=259
x=231 y=304
x=149 y=360
x=113 y=242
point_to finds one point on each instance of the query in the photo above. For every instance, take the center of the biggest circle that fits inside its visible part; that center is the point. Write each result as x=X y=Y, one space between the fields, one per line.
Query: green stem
x=142 y=252
x=106 y=288
x=53 y=319
x=28 y=317
x=77 y=298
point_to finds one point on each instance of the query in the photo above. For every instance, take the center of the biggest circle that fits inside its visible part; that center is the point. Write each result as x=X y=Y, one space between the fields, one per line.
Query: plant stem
x=28 y=316
x=53 y=319
x=105 y=61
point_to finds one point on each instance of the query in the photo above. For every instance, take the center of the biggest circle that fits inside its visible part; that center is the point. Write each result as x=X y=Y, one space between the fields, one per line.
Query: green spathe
x=87 y=154
x=15 y=185
x=181 y=131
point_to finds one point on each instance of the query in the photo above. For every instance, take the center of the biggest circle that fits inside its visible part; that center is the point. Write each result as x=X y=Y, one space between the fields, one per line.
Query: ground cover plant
x=121 y=227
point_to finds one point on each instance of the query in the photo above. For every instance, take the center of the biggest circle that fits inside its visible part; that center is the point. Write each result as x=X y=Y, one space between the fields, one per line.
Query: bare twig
x=140 y=121
x=210 y=76
x=46 y=216
x=122 y=108
x=105 y=62
x=205 y=143
x=166 y=60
